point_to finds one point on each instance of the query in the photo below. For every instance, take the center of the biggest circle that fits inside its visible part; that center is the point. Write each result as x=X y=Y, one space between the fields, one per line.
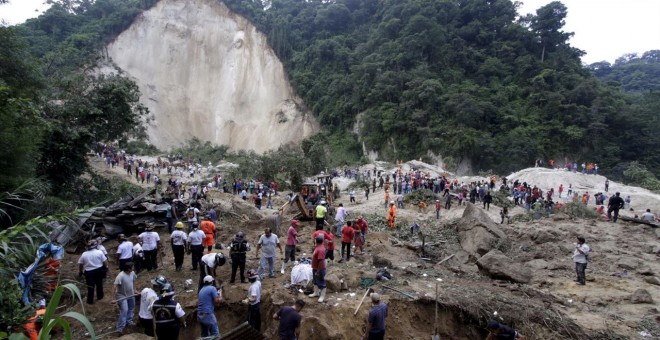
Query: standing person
x=613 y=205
x=352 y=195
x=391 y=215
x=359 y=243
x=448 y=202
x=150 y=244
x=138 y=255
x=488 y=199
x=290 y=247
x=321 y=210
x=318 y=269
x=348 y=233
x=237 y=249
x=399 y=201
x=570 y=190
x=178 y=241
x=167 y=314
x=195 y=239
x=607 y=185
x=581 y=257
x=497 y=330
x=504 y=213
x=210 y=231
x=124 y=292
x=561 y=189
x=253 y=301
x=363 y=227
x=147 y=297
x=170 y=217
x=124 y=251
x=376 y=319
x=208 y=265
x=627 y=202
x=267 y=241
x=93 y=264
x=208 y=298
x=366 y=192
x=340 y=217
x=289 y=317
x=438 y=206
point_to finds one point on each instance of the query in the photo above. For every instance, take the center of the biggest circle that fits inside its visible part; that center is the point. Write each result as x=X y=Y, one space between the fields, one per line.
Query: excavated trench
x=406 y=320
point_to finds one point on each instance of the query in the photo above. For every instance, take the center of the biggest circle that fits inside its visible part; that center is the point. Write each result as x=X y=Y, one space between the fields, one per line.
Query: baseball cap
x=208 y=278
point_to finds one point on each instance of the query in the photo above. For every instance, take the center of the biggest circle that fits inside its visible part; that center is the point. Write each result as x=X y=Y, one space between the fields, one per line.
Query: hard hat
x=159 y=281
x=179 y=225
x=240 y=235
x=220 y=259
x=208 y=279
x=167 y=290
x=252 y=274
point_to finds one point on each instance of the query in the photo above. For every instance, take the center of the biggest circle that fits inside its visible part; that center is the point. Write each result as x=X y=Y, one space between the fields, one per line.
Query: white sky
x=605 y=29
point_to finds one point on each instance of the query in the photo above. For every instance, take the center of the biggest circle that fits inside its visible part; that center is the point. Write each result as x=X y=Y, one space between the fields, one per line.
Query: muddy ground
x=550 y=306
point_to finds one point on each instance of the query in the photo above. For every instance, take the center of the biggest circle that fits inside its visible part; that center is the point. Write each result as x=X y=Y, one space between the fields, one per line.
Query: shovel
x=435 y=335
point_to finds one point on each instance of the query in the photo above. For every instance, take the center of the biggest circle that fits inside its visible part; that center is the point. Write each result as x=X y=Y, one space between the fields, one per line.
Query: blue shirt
x=206 y=296
x=377 y=317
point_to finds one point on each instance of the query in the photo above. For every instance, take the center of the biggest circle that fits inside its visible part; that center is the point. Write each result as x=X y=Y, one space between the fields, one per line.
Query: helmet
x=252 y=274
x=167 y=290
x=179 y=225
x=195 y=225
x=220 y=259
x=159 y=281
x=240 y=235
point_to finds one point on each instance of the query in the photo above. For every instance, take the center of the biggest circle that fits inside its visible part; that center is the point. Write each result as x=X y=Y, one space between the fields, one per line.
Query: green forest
x=468 y=80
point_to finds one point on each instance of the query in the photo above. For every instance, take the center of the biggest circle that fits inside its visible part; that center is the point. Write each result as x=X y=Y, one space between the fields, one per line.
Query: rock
x=657 y=232
x=499 y=266
x=537 y=264
x=477 y=232
x=628 y=263
x=558 y=266
x=543 y=236
x=560 y=217
x=333 y=282
x=641 y=296
x=656 y=250
x=645 y=271
x=652 y=280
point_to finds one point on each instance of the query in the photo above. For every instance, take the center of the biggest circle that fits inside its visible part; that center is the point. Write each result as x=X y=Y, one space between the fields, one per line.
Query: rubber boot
x=283 y=267
x=322 y=295
x=316 y=292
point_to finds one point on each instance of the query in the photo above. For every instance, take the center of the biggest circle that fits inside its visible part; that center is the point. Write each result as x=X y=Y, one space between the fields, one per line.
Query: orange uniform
x=208 y=228
x=391 y=215
x=30 y=326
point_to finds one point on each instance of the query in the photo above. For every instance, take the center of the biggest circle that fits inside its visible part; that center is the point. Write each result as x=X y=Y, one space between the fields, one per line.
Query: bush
x=141 y=147
x=425 y=195
x=578 y=210
x=501 y=199
x=637 y=174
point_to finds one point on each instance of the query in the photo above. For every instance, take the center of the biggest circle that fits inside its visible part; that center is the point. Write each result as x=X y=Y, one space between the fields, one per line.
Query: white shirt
x=125 y=250
x=209 y=259
x=647 y=216
x=579 y=257
x=92 y=259
x=255 y=290
x=137 y=248
x=196 y=237
x=102 y=249
x=147 y=297
x=178 y=237
x=149 y=240
x=341 y=214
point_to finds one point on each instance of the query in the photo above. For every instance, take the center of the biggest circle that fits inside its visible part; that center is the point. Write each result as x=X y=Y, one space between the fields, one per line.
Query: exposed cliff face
x=206 y=72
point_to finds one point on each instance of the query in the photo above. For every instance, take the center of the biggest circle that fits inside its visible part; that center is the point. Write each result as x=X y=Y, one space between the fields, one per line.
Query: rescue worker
x=33 y=325
x=124 y=251
x=178 y=241
x=254 y=301
x=148 y=296
x=391 y=215
x=94 y=265
x=319 y=269
x=195 y=239
x=321 y=210
x=167 y=314
x=497 y=330
x=237 y=249
x=209 y=230
x=208 y=264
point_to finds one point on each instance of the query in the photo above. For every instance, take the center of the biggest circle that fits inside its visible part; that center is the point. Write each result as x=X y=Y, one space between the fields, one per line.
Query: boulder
x=628 y=263
x=543 y=236
x=560 y=217
x=641 y=296
x=537 y=264
x=652 y=280
x=333 y=282
x=498 y=266
x=477 y=232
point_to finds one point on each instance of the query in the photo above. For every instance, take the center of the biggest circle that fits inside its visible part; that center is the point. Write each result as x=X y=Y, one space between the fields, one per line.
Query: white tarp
x=301 y=274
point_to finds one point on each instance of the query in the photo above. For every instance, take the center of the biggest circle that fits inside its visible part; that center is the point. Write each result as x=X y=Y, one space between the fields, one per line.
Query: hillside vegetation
x=466 y=79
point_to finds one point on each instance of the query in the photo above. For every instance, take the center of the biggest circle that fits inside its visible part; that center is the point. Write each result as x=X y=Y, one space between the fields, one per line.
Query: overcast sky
x=605 y=29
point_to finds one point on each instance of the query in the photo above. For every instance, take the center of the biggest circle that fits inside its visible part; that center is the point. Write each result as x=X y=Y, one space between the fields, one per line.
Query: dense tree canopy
x=466 y=79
